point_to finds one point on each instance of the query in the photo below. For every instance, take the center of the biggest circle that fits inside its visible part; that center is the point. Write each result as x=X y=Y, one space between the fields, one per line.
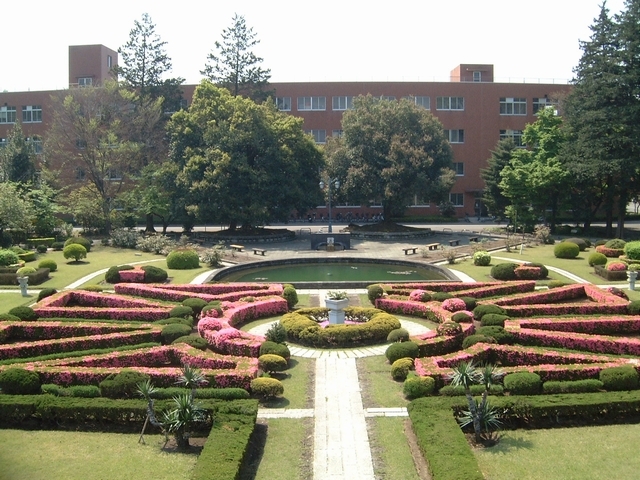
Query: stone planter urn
x=632 y=275
x=336 y=306
x=24 y=283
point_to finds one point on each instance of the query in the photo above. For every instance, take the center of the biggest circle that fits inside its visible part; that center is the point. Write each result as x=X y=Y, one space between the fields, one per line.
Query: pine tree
x=492 y=196
x=235 y=67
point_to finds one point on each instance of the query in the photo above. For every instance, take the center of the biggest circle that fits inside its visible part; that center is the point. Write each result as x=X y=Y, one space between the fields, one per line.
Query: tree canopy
x=235 y=66
x=17 y=158
x=391 y=151
x=243 y=163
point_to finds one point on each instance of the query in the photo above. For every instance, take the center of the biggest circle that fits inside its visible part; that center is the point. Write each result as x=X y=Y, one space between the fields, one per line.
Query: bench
x=454 y=243
x=432 y=246
x=236 y=248
x=410 y=249
x=473 y=239
x=260 y=251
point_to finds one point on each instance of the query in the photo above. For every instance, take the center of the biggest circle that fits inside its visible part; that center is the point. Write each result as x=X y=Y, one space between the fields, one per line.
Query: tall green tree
x=492 y=195
x=243 y=163
x=235 y=66
x=15 y=209
x=391 y=151
x=17 y=158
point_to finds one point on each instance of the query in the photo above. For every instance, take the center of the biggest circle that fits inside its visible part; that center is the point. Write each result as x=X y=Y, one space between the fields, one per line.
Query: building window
x=283 y=104
x=336 y=133
x=454 y=136
x=421 y=101
x=109 y=61
x=450 y=103
x=85 y=81
x=312 y=103
x=320 y=136
x=7 y=114
x=513 y=106
x=3 y=142
x=387 y=97
x=114 y=174
x=32 y=114
x=458 y=167
x=516 y=135
x=36 y=144
x=342 y=103
x=80 y=175
x=541 y=103
x=457 y=199
x=477 y=76
x=419 y=202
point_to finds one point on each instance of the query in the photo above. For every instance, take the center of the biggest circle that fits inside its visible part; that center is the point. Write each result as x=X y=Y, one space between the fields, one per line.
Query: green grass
x=297 y=385
x=44 y=455
x=378 y=388
x=8 y=300
x=390 y=449
x=288 y=450
x=582 y=453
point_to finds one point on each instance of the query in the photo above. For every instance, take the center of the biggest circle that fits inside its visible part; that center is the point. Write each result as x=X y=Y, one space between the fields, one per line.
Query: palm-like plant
x=191 y=377
x=184 y=414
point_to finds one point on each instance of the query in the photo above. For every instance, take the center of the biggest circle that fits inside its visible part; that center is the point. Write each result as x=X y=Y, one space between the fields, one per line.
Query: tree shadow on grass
x=510 y=442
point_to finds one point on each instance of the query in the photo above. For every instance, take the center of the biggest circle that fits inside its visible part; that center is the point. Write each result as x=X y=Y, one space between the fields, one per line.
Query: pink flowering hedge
x=208 y=292
x=459 y=289
x=610 y=252
x=46 y=330
x=524 y=272
x=431 y=344
x=431 y=310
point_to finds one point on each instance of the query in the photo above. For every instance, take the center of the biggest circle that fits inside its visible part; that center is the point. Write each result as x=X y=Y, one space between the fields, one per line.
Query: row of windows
x=508 y=105
x=30 y=114
x=457 y=199
x=35 y=142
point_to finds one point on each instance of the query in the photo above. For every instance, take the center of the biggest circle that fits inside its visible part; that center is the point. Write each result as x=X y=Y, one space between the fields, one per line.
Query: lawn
x=584 y=453
x=44 y=455
x=392 y=457
x=288 y=450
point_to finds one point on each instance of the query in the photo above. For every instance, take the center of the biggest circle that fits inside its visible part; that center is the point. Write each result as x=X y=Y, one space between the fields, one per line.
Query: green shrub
x=556 y=284
x=566 y=250
x=441 y=296
x=266 y=387
x=482 y=310
x=25 y=271
x=616 y=243
x=576 y=386
x=123 y=384
x=92 y=288
x=18 y=381
x=493 y=319
x=632 y=250
x=195 y=341
x=462 y=317
x=396 y=351
x=113 y=274
x=634 y=307
x=504 y=271
x=619 y=378
x=86 y=243
x=8 y=257
x=481 y=258
x=213 y=306
x=154 y=274
x=183 y=259
x=75 y=251
x=48 y=263
x=597 y=258
x=271 y=363
x=398 y=335
x=24 y=313
x=470 y=302
x=582 y=244
x=52 y=389
x=499 y=334
x=181 y=311
x=401 y=368
x=276 y=333
x=374 y=292
x=523 y=383
x=41 y=249
x=290 y=294
x=416 y=387
x=544 y=271
x=173 y=332
x=83 y=391
x=448 y=328
x=196 y=304
x=46 y=292
x=477 y=338
x=57 y=246
x=8 y=317
x=274 y=348
x=451 y=391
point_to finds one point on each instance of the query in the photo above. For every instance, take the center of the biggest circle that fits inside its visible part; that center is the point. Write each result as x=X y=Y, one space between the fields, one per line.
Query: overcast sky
x=401 y=40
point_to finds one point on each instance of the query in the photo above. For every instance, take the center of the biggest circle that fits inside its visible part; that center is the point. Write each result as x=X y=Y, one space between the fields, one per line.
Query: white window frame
x=455 y=136
x=7 y=114
x=458 y=167
x=312 y=103
x=337 y=133
x=450 y=103
x=454 y=197
x=283 y=104
x=516 y=135
x=513 y=106
x=420 y=100
x=319 y=136
x=342 y=102
x=477 y=76
x=32 y=114
x=540 y=104
x=85 y=81
x=36 y=144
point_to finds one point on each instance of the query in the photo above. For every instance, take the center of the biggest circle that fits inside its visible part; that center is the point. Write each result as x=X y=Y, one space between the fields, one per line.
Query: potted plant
x=336 y=302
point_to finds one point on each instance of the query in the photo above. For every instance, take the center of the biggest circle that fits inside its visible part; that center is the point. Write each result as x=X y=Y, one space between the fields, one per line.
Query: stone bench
x=410 y=249
x=260 y=251
x=236 y=248
x=433 y=246
x=454 y=243
x=473 y=239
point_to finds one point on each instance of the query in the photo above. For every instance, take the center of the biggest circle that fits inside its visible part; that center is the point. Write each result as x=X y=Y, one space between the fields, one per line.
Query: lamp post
x=335 y=183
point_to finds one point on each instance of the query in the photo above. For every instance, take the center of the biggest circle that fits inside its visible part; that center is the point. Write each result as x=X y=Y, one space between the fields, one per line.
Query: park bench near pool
x=432 y=246
x=236 y=248
x=260 y=251
x=473 y=239
x=454 y=243
x=410 y=249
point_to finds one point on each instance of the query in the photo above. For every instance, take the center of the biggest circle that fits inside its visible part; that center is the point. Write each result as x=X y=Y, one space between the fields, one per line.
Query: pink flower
x=454 y=304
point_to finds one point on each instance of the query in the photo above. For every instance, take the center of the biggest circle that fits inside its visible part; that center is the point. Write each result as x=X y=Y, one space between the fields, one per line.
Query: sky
x=403 y=40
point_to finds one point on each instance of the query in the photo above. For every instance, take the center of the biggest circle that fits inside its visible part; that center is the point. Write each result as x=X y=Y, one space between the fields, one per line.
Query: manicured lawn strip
x=378 y=388
x=287 y=452
x=389 y=446
x=44 y=455
x=11 y=300
x=245 y=327
x=297 y=385
x=564 y=454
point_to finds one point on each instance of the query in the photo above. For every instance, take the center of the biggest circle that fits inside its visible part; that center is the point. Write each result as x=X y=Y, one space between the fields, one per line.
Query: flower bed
x=178 y=293
x=431 y=344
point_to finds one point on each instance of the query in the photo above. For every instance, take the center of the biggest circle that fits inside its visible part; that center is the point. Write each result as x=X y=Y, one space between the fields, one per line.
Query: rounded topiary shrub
x=173 y=332
x=417 y=387
x=175 y=321
x=398 y=335
x=597 y=258
x=400 y=350
x=582 y=243
x=276 y=333
x=441 y=296
x=566 y=250
x=48 y=263
x=454 y=304
x=401 y=368
x=448 y=329
x=504 y=271
x=123 y=384
x=57 y=246
x=470 y=302
x=183 y=311
x=183 y=259
x=498 y=333
x=523 y=383
x=634 y=307
x=212 y=310
x=25 y=271
x=632 y=250
x=154 y=274
x=619 y=378
x=46 y=292
x=272 y=363
x=590 y=385
x=476 y=338
x=493 y=319
x=8 y=317
x=290 y=294
x=41 y=249
x=24 y=313
x=266 y=388
x=75 y=251
x=462 y=317
x=8 y=257
x=113 y=274
x=616 y=243
x=374 y=292
x=86 y=243
x=195 y=341
x=273 y=348
x=18 y=381
x=481 y=258
x=482 y=310
x=196 y=305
